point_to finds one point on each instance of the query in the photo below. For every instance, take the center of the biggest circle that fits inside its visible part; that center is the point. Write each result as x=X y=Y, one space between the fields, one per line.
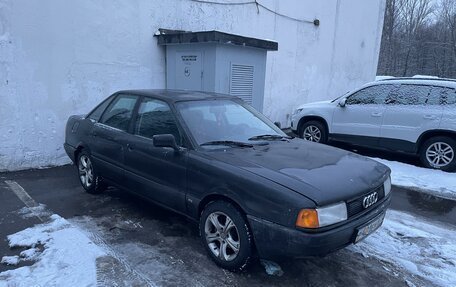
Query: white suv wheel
x=439 y=154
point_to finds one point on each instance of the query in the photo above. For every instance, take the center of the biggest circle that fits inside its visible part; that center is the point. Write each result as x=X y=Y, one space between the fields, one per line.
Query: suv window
x=436 y=96
x=119 y=112
x=370 y=95
x=448 y=96
x=409 y=95
x=154 y=118
x=98 y=111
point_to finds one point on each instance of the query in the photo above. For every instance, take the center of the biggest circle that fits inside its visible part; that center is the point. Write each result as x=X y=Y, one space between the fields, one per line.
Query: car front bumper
x=276 y=242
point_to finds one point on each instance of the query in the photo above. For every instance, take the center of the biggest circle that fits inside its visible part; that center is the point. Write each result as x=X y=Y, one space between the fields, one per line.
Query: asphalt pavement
x=147 y=236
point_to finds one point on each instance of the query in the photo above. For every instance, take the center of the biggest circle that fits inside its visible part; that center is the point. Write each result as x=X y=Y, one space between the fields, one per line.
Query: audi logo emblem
x=370 y=199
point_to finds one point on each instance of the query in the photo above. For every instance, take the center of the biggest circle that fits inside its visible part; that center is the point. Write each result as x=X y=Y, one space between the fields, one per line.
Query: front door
x=109 y=135
x=157 y=173
x=360 y=120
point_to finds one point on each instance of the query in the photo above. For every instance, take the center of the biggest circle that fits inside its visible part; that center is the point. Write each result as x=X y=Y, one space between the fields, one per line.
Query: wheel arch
x=433 y=133
x=216 y=196
x=81 y=146
x=305 y=119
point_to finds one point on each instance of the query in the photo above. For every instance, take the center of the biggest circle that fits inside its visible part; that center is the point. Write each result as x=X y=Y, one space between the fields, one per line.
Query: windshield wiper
x=269 y=137
x=228 y=143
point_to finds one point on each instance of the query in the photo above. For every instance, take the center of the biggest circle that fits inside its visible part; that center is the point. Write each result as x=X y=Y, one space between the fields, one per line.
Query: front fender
x=255 y=195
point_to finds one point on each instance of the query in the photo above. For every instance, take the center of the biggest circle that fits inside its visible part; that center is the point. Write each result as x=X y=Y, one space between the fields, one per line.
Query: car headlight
x=322 y=216
x=387 y=186
x=297 y=111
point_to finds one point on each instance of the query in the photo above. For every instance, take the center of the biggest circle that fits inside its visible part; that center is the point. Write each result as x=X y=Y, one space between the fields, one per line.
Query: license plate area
x=367 y=229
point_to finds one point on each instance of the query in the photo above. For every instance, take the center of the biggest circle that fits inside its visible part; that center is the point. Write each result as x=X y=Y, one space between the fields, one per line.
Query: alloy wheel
x=312 y=133
x=439 y=154
x=85 y=171
x=222 y=236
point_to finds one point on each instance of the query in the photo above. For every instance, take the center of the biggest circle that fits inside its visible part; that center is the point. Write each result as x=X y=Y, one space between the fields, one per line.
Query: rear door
x=448 y=102
x=360 y=120
x=109 y=137
x=411 y=110
x=157 y=173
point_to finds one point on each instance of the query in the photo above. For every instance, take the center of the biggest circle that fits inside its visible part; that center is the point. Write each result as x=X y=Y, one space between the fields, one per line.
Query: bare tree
x=414 y=14
x=419 y=37
x=448 y=17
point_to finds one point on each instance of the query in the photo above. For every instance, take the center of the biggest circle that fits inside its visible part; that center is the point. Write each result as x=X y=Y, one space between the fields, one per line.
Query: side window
x=98 y=111
x=119 y=112
x=448 y=97
x=155 y=117
x=409 y=95
x=370 y=95
x=436 y=96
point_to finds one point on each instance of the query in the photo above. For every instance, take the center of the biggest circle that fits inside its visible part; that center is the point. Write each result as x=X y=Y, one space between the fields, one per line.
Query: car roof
x=177 y=95
x=441 y=82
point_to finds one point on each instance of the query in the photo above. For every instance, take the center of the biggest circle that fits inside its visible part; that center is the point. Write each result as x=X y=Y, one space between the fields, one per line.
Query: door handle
x=376 y=114
x=429 y=117
x=129 y=147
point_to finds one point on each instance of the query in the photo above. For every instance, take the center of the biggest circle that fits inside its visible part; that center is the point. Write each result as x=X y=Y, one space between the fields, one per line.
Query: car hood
x=321 y=173
x=320 y=103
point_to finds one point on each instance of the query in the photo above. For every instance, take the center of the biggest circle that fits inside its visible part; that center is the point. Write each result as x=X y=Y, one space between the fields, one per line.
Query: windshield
x=225 y=121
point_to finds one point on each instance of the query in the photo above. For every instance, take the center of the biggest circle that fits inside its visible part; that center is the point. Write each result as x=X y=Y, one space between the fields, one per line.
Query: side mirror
x=165 y=140
x=343 y=102
x=278 y=125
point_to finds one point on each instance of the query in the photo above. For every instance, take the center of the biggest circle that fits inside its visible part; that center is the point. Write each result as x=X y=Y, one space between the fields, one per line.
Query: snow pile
x=10 y=260
x=68 y=259
x=432 y=181
x=421 y=248
x=26 y=255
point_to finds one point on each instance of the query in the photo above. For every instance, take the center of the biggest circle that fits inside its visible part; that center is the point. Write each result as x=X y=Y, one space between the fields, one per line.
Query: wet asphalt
x=165 y=246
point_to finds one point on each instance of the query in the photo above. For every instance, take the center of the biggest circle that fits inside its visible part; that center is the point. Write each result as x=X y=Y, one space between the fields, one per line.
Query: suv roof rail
x=419 y=79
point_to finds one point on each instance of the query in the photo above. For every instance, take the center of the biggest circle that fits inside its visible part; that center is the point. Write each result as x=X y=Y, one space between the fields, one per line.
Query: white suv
x=410 y=115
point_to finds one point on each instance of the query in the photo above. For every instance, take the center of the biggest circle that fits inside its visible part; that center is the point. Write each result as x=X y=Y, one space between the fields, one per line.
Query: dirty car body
x=298 y=198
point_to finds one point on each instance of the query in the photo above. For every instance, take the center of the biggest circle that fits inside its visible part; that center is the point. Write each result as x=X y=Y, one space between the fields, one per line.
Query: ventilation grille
x=241 y=82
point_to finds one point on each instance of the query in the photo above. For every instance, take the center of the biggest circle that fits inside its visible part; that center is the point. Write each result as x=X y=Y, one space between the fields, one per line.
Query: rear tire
x=439 y=153
x=88 y=177
x=226 y=236
x=314 y=131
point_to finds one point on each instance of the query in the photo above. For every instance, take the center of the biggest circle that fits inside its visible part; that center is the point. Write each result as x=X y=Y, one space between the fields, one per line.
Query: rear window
x=448 y=97
x=409 y=95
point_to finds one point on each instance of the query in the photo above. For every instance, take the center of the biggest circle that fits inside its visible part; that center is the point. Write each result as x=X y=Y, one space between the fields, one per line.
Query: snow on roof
x=418 y=80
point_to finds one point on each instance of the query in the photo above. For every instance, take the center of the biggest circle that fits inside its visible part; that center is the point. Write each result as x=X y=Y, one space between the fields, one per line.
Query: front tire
x=439 y=153
x=226 y=236
x=89 y=179
x=314 y=131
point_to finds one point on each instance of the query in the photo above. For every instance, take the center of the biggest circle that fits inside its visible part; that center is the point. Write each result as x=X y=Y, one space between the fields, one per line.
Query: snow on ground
x=68 y=259
x=432 y=181
x=419 y=247
x=37 y=211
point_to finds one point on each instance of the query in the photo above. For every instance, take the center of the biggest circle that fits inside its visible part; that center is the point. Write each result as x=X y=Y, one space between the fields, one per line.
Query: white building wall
x=61 y=57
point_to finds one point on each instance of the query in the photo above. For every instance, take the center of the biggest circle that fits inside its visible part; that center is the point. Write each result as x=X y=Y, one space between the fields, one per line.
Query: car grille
x=355 y=206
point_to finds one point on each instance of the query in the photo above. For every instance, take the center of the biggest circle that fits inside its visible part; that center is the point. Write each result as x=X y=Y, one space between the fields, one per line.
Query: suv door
x=109 y=136
x=411 y=110
x=448 y=102
x=157 y=173
x=360 y=120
